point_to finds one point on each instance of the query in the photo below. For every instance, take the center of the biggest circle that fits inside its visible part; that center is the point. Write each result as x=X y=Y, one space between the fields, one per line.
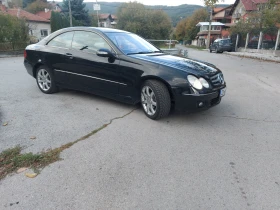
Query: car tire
x=155 y=99
x=45 y=80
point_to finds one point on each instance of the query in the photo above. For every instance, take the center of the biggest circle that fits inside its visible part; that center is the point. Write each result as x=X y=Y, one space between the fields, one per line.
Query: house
x=47 y=12
x=242 y=8
x=216 y=32
x=222 y=15
x=107 y=20
x=39 y=27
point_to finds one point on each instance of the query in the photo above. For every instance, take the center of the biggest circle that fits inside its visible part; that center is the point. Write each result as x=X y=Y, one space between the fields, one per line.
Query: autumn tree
x=186 y=29
x=136 y=18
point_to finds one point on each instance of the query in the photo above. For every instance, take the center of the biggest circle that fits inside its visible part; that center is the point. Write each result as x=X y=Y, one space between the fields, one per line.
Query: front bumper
x=193 y=102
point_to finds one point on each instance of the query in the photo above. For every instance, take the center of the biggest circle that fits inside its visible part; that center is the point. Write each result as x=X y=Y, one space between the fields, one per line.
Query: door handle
x=69 y=55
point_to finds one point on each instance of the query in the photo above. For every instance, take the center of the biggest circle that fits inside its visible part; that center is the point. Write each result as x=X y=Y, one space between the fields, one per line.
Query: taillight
x=24 y=54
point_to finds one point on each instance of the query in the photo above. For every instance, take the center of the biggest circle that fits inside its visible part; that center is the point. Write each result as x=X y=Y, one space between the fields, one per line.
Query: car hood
x=184 y=64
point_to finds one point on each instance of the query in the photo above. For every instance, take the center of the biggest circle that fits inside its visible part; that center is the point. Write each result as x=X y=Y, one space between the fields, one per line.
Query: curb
x=253 y=57
x=17 y=53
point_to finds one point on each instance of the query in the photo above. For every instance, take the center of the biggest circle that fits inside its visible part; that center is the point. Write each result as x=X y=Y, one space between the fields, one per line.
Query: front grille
x=217 y=80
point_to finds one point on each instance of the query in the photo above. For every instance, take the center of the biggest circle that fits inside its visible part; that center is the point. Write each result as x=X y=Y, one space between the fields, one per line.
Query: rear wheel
x=216 y=50
x=45 y=80
x=155 y=99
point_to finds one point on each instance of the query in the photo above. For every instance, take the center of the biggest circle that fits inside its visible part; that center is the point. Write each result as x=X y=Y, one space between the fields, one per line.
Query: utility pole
x=70 y=13
x=209 y=28
x=97 y=8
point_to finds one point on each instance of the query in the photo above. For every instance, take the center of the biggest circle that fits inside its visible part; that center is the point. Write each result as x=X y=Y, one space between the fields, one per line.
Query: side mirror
x=105 y=53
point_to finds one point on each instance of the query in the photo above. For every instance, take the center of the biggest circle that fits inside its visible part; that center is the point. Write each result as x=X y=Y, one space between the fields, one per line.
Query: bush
x=12 y=29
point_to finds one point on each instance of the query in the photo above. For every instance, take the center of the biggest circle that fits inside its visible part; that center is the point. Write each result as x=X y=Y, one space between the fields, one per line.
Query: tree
x=37 y=6
x=25 y=3
x=94 y=21
x=211 y=4
x=15 y=3
x=136 y=18
x=59 y=21
x=186 y=29
x=78 y=10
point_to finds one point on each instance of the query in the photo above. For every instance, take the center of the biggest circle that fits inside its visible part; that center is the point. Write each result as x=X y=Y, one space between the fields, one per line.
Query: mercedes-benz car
x=123 y=66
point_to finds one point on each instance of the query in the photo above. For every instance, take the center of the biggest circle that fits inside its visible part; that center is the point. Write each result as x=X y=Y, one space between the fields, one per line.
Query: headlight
x=195 y=82
x=198 y=83
x=204 y=83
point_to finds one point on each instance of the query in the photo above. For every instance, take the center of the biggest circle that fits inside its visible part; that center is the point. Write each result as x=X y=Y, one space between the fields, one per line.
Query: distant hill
x=176 y=13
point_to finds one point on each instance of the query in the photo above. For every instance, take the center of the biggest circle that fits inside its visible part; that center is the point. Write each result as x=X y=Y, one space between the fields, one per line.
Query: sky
x=164 y=2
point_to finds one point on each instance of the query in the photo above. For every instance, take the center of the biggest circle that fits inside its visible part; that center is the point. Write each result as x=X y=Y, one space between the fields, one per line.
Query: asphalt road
x=225 y=158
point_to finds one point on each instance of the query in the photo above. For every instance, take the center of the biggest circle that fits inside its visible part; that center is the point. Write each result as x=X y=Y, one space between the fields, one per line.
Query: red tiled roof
x=218 y=9
x=105 y=16
x=27 y=15
x=251 y=5
x=114 y=17
x=46 y=15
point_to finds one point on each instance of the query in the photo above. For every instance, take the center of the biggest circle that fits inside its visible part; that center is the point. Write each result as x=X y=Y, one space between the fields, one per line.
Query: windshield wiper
x=84 y=47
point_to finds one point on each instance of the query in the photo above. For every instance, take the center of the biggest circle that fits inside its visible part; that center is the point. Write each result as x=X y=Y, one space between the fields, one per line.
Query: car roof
x=101 y=29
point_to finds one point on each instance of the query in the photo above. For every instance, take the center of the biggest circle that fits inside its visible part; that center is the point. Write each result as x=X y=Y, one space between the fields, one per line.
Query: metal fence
x=12 y=46
x=258 y=42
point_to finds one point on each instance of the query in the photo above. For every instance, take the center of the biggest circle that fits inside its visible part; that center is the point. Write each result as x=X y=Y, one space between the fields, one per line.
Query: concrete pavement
x=223 y=158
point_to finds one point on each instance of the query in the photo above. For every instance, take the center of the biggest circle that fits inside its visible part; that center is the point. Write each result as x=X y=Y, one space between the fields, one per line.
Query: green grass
x=12 y=159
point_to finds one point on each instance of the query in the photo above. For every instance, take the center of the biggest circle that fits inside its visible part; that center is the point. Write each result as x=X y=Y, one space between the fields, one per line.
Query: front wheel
x=155 y=99
x=45 y=80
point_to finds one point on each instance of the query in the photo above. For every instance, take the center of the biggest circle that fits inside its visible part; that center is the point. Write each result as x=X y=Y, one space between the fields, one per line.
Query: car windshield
x=131 y=43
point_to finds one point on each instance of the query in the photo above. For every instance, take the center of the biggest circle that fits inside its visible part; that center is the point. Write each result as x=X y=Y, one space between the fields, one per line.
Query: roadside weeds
x=12 y=159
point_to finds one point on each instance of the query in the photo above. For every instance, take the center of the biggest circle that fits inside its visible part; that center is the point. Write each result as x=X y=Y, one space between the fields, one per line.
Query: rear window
x=225 y=41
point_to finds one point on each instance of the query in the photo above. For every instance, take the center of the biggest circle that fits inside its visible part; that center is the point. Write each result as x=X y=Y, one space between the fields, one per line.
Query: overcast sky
x=165 y=2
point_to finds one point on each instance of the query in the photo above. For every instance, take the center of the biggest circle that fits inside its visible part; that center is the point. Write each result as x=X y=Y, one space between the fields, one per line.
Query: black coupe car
x=124 y=67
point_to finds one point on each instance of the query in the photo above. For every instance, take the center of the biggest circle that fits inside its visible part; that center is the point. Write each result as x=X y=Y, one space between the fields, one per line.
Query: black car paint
x=120 y=77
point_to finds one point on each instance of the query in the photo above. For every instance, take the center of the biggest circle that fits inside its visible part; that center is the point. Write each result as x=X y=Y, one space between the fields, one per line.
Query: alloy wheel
x=148 y=100
x=44 y=79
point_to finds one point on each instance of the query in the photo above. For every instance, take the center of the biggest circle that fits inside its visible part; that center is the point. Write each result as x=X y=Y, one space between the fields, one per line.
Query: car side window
x=63 y=40
x=88 y=42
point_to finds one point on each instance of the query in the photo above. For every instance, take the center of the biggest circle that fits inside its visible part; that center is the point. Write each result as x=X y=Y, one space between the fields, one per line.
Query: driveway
x=223 y=158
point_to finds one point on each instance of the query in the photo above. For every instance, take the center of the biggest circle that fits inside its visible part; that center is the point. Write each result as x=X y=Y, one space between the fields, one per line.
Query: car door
x=56 y=56
x=90 y=72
